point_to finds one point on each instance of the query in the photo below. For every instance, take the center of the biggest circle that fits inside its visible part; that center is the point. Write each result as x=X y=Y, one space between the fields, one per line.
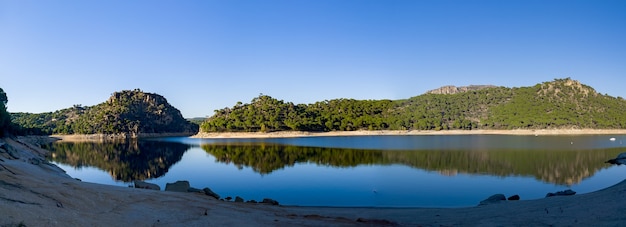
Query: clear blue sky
x=207 y=55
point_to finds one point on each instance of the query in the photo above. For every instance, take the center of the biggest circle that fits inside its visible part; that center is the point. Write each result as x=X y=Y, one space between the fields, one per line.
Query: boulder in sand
x=192 y=189
x=270 y=201
x=146 y=185
x=238 y=199
x=513 y=197
x=493 y=199
x=561 y=193
x=178 y=186
x=209 y=192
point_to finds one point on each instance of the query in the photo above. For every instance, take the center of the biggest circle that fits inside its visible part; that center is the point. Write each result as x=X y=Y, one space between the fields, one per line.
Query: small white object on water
x=612 y=139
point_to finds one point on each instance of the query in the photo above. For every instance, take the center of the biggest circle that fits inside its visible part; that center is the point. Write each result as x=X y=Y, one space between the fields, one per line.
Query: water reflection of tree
x=266 y=158
x=562 y=167
x=125 y=161
x=553 y=166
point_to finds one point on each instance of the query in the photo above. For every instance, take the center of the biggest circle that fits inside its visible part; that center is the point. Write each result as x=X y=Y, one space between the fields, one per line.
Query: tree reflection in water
x=141 y=160
x=562 y=167
x=125 y=161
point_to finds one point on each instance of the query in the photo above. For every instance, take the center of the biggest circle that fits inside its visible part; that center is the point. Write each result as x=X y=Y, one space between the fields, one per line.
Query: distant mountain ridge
x=451 y=89
x=558 y=104
x=127 y=112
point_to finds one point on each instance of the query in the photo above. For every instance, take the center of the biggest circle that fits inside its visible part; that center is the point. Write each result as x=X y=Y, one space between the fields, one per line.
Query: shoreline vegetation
x=34 y=192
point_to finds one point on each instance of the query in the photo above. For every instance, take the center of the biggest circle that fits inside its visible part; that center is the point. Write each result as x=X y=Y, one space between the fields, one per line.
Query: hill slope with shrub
x=559 y=104
x=126 y=112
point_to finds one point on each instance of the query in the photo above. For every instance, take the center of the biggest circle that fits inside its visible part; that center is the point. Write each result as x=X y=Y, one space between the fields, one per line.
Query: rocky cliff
x=129 y=114
x=448 y=90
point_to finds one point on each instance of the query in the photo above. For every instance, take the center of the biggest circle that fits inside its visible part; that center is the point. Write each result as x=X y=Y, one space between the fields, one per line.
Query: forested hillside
x=562 y=103
x=126 y=112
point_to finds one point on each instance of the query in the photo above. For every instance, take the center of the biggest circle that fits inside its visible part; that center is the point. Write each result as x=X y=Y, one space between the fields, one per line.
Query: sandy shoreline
x=292 y=134
x=34 y=192
x=111 y=137
x=288 y=134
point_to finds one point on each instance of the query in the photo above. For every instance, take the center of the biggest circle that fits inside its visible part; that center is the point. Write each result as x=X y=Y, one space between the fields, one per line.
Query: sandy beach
x=34 y=192
x=287 y=134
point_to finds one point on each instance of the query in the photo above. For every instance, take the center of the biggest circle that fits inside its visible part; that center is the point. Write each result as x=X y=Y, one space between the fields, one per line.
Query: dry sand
x=36 y=193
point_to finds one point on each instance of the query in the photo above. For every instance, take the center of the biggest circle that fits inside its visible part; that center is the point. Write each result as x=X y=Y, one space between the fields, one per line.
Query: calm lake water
x=363 y=171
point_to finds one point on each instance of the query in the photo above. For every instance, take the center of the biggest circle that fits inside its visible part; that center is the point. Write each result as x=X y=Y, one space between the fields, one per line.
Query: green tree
x=5 y=118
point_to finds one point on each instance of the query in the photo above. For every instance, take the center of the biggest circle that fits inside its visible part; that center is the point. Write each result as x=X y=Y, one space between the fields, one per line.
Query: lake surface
x=357 y=171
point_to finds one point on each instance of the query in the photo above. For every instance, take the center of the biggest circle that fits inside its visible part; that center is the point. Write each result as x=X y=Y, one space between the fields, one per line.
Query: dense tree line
x=562 y=103
x=266 y=114
x=129 y=112
x=5 y=119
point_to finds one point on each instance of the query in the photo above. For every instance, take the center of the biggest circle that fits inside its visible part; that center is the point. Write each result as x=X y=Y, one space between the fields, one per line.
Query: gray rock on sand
x=561 y=193
x=620 y=160
x=238 y=199
x=493 y=199
x=209 y=192
x=513 y=197
x=178 y=186
x=270 y=201
x=192 y=189
x=146 y=185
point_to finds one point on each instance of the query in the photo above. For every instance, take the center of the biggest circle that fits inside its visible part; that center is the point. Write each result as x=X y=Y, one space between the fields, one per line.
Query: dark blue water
x=370 y=171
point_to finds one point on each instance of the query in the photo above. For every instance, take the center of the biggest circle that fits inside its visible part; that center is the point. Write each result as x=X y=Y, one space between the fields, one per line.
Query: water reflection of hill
x=125 y=161
x=266 y=158
x=553 y=166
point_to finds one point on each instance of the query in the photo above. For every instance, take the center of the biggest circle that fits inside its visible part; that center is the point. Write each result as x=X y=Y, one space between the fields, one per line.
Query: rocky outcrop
x=126 y=114
x=493 y=199
x=561 y=193
x=238 y=199
x=195 y=190
x=7 y=151
x=270 y=201
x=513 y=197
x=449 y=90
x=209 y=192
x=183 y=186
x=178 y=186
x=146 y=185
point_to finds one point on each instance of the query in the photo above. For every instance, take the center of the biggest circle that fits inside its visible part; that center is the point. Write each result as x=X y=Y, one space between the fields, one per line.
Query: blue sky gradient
x=207 y=55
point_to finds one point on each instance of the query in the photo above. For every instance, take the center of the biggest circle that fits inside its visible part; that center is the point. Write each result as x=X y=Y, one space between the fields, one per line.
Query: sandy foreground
x=36 y=193
x=287 y=134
